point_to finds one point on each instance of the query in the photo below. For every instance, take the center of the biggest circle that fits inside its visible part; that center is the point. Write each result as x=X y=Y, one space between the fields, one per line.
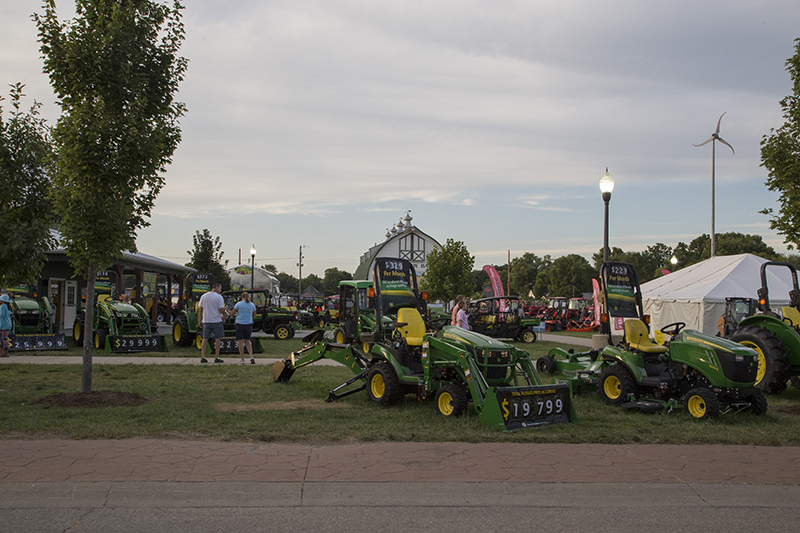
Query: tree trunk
x=88 y=331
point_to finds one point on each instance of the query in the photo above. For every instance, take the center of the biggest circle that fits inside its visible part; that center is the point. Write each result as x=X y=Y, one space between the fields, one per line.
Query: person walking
x=461 y=316
x=5 y=324
x=245 y=312
x=454 y=313
x=211 y=310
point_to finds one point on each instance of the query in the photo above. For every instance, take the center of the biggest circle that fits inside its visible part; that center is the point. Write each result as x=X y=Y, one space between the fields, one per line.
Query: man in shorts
x=211 y=311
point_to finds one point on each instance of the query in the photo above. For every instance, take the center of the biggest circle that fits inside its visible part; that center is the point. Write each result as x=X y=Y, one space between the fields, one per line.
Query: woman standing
x=5 y=324
x=245 y=312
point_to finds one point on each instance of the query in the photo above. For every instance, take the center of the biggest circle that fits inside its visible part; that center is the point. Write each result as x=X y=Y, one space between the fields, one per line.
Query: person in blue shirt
x=245 y=312
x=5 y=323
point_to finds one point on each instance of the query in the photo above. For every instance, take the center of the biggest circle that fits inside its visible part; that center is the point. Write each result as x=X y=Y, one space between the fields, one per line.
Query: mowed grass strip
x=241 y=403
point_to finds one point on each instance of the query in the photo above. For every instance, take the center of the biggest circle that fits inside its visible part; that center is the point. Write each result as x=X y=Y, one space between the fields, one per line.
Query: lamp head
x=606 y=185
x=253 y=250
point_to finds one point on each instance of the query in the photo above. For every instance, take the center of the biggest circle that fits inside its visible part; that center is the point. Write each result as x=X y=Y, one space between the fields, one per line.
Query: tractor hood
x=457 y=334
x=122 y=307
x=26 y=304
x=715 y=343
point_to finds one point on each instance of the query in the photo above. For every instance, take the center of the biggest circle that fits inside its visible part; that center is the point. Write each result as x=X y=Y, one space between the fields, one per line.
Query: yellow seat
x=792 y=314
x=414 y=330
x=637 y=337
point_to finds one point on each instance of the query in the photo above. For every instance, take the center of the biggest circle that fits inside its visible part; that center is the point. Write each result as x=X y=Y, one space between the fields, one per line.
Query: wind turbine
x=713 y=140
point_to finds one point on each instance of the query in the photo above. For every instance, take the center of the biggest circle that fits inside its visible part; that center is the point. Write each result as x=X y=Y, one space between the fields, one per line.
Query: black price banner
x=39 y=341
x=534 y=406
x=135 y=343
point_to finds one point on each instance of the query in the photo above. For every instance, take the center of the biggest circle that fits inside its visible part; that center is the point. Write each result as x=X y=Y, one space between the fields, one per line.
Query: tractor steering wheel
x=673 y=329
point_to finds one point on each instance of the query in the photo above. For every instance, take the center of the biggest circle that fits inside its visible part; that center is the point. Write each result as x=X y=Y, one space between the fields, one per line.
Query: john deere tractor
x=184 y=326
x=774 y=337
x=707 y=375
x=120 y=327
x=453 y=366
x=32 y=324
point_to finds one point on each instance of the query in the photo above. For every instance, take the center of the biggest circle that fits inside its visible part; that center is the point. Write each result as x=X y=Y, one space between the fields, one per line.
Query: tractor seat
x=638 y=338
x=414 y=330
x=792 y=314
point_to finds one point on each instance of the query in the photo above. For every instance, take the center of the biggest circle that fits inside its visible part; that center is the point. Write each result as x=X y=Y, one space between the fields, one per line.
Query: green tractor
x=357 y=311
x=184 y=325
x=32 y=323
x=501 y=317
x=119 y=327
x=707 y=375
x=775 y=337
x=454 y=366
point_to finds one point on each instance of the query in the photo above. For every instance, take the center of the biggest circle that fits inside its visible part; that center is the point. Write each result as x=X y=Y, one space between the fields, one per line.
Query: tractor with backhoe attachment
x=453 y=365
x=32 y=323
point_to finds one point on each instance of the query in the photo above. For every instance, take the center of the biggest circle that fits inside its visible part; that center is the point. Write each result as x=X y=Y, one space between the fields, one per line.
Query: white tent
x=262 y=279
x=696 y=294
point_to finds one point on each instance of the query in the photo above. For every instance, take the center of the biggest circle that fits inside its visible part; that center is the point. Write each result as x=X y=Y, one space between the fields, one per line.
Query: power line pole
x=300 y=272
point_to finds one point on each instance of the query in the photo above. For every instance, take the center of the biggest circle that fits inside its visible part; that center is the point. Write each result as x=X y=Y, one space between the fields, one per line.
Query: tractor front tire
x=340 y=336
x=616 y=384
x=383 y=385
x=283 y=332
x=198 y=341
x=528 y=336
x=451 y=401
x=773 y=361
x=100 y=339
x=546 y=365
x=77 y=330
x=758 y=402
x=180 y=332
x=701 y=403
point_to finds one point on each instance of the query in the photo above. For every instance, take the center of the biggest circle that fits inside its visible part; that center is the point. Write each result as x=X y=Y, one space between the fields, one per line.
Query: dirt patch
x=282 y=406
x=789 y=409
x=101 y=398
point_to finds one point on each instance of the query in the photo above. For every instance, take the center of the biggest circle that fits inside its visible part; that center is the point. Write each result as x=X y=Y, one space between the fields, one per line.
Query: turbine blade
x=706 y=142
x=719 y=121
x=723 y=141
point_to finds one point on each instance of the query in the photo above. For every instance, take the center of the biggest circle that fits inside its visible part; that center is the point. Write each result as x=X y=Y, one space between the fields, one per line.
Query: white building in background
x=262 y=279
x=403 y=240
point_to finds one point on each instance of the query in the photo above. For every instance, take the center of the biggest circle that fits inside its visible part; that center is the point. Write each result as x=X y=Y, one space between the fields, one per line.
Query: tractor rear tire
x=773 y=361
x=528 y=336
x=100 y=339
x=180 y=332
x=759 y=402
x=701 y=403
x=77 y=330
x=383 y=385
x=616 y=384
x=546 y=365
x=283 y=332
x=451 y=401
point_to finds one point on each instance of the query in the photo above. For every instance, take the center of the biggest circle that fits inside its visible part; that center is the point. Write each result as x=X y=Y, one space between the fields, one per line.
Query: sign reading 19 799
x=534 y=406
x=135 y=343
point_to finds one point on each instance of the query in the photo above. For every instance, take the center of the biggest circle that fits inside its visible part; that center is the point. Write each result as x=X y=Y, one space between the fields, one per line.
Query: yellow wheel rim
x=696 y=406
x=612 y=387
x=339 y=337
x=97 y=341
x=198 y=341
x=365 y=347
x=762 y=360
x=445 y=403
x=176 y=332
x=76 y=332
x=527 y=336
x=377 y=386
x=283 y=333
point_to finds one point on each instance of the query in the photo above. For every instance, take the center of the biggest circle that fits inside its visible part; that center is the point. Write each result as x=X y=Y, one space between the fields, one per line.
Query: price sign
x=37 y=342
x=135 y=343
x=534 y=406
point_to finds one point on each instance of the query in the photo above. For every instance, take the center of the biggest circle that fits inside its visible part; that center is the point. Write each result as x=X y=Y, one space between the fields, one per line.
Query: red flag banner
x=497 y=284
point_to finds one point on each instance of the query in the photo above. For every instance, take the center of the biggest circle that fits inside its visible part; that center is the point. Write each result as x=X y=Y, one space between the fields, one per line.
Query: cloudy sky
x=321 y=123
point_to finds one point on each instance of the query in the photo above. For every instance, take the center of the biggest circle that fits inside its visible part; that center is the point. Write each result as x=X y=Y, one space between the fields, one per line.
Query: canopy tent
x=262 y=279
x=696 y=294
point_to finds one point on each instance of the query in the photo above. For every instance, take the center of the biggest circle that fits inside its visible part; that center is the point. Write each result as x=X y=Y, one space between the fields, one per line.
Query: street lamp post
x=606 y=186
x=253 y=265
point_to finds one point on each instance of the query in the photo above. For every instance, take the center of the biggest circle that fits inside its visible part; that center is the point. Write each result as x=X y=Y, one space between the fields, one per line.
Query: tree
x=330 y=283
x=312 y=279
x=731 y=243
x=25 y=210
x=569 y=276
x=115 y=71
x=206 y=256
x=524 y=271
x=270 y=268
x=449 y=271
x=287 y=282
x=780 y=155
